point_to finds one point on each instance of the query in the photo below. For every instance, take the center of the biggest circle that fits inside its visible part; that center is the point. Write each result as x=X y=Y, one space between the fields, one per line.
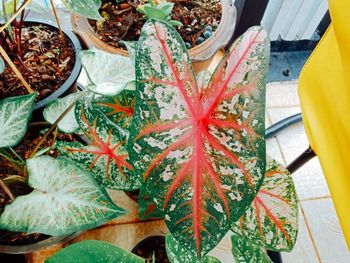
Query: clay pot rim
x=206 y=50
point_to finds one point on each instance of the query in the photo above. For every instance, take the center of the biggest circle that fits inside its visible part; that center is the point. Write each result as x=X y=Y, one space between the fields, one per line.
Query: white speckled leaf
x=272 y=219
x=201 y=150
x=119 y=109
x=55 y=109
x=131 y=47
x=245 y=251
x=106 y=74
x=178 y=254
x=15 y=113
x=106 y=155
x=86 y=8
x=93 y=251
x=65 y=199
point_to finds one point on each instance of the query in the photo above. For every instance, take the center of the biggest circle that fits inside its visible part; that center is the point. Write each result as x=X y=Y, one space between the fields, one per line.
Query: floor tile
x=303 y=251
x=282 y=94
x=326 y=230
x=273 y=150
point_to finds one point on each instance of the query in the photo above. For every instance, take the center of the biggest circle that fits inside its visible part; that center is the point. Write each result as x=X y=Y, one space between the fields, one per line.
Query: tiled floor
x=320 y=236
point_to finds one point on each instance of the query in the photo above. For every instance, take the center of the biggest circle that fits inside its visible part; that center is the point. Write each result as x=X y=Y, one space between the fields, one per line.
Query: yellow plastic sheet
x=324 y=90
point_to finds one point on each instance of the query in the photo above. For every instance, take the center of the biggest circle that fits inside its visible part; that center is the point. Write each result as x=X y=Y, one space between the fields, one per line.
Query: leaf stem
x=15 y=154
x=15 y=70
x=14 y=178
x=51 y=129
x=16 y=165
x=15 y=15
x=58 y=22
x=7 y=190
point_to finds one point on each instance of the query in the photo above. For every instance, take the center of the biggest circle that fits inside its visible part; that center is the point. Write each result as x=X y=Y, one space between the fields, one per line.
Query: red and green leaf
x=119 y=109
x=200 y=149
x=272 y=219
x=246 y=251
x=147 y=208
x=105 y=155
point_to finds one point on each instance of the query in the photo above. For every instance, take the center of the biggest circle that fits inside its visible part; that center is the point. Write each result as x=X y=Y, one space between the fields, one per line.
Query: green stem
x=51 y=129
x=14 y=178
x=15 y=154
x=16 y=165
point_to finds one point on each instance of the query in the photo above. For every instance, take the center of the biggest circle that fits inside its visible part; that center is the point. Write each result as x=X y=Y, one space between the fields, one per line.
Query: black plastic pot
x=153 y=244
x=70 y=84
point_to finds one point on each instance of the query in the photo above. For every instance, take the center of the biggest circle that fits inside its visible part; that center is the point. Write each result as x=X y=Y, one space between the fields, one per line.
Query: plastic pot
x=201 y=55
x=70 y=84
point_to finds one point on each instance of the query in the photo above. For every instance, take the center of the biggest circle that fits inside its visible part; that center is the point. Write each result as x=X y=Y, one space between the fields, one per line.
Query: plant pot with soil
x=207 y=27
x=43 y=58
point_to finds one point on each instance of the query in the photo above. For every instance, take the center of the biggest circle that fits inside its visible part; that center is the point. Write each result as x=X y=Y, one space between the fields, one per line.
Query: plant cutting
x=207 y=25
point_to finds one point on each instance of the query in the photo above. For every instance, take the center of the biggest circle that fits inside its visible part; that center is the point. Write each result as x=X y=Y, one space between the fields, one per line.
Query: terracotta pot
x=201 y=55
x=69 y=85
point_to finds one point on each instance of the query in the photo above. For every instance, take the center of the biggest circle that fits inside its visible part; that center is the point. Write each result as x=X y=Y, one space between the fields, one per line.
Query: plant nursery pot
x=201 y=55
x=70 y=83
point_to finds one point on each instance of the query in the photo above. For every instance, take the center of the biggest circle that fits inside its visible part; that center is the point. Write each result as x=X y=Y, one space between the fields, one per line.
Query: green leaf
x=93 y=251
x=272 y=219
x=201 y=150
x=65 y=199
x=119 y=109
x=131 y=47
x=245 y=251
x=55 y=109
x=107 y=74
x=147 y=208
x=106 y=155
x=166 y=7
x=177 y=254
x=15 y=113
x=2 y=65
x=86 y=8
x=154 y=12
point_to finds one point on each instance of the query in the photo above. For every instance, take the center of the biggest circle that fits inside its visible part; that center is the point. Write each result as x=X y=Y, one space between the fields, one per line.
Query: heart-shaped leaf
x=245 y=251
x=106 y=155
x=15 y=113
x=92 y=251
x=131 y=47
x=272 y=219
x=119 y=109
x=201 y=150
x=55 y=109
x=178 y=254
x=86 y=8
x=147 y=208
x=65 y=199
x=106 y=74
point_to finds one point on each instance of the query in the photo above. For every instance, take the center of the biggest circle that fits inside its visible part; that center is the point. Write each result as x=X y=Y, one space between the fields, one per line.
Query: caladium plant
x=105 y=155
x=199 y=149
x=64 y=199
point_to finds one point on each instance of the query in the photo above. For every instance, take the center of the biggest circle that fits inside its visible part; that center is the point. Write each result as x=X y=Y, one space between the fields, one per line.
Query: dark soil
x=45 y=62
x=150 y=247
x=123 y=22
x=24 y=150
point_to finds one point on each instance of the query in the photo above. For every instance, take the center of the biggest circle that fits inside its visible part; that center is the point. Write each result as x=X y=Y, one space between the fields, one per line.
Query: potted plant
x=206 y=25
x=195 y=147
x=54 y=196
